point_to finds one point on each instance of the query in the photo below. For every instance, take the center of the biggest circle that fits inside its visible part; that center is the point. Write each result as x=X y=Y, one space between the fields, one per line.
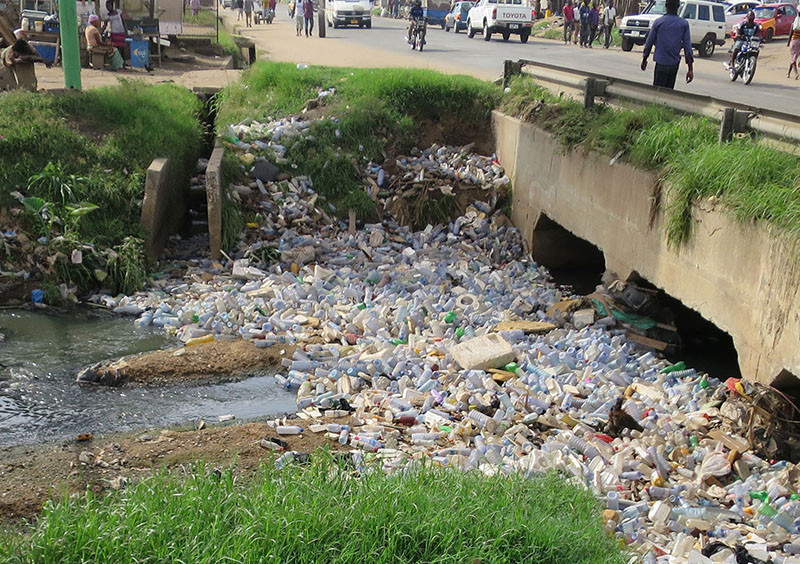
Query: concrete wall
x=734 y=275
x=163 y=205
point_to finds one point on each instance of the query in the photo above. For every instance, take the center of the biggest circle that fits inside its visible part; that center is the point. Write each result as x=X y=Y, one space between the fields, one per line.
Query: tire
x=734 y=74
x=335 y=25
x=627 y=44
x=446 y=29
x=748 y=77
x=487 y=35
x=707 y=45
x=443 y=26
x=769 y=35
x=455 y=29
x=470 y=31
x=369 y=25
x=421 y=44
x=523 y=36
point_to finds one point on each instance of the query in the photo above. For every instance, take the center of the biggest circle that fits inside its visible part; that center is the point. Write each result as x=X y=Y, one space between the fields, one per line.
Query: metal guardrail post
x=588 y=93
x=726 y=125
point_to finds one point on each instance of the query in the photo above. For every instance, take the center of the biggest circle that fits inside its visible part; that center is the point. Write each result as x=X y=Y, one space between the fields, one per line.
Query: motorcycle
x=418 y=32
x=744 y=64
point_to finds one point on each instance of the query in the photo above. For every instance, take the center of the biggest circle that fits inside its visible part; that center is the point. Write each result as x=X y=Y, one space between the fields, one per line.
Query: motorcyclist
x=746 y=28
x=415 y=14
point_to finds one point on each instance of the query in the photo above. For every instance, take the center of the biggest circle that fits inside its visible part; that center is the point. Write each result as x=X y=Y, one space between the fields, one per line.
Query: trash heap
x=449 y=345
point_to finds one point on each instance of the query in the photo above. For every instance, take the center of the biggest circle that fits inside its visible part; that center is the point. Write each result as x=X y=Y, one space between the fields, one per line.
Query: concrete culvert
x=571 y=260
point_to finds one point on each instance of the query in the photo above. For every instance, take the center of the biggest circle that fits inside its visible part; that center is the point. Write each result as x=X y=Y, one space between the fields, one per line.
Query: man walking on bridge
x=669 y=34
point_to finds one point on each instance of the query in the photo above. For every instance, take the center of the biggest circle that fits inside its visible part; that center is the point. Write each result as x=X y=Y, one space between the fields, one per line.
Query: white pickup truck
x=505 y=17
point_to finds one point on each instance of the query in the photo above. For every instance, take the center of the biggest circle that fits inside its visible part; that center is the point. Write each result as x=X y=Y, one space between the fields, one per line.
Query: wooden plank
x=526 y=326
x=647 y=342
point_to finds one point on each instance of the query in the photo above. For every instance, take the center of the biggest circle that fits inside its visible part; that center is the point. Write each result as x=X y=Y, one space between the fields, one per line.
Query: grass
x=321 y=514
x=377 y=112
x=93 y=147
x=756 y=182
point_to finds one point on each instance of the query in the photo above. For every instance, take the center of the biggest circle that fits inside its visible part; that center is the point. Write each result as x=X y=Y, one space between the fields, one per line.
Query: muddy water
x=39 y=399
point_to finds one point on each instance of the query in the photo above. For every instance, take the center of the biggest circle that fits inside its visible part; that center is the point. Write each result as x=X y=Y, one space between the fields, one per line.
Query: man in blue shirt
x=416 y=13
x=669 y=34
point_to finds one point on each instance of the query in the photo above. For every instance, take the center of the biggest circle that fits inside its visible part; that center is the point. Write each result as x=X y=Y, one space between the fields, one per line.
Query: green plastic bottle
x=450 y=317
x=460 y=332
x=674 y=367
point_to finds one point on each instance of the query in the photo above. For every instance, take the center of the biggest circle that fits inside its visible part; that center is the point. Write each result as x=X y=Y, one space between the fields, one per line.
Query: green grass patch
x=757 y=182
x=377 y=112
x=83 y=156
x=322 y=514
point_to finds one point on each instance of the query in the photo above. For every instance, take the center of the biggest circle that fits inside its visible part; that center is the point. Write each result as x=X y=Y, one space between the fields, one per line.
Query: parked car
x=341 y=13
x=735 y=12
x=226 y=4
x=505 y=17
x=456 y=19
x=706 y=24
x=775 y=19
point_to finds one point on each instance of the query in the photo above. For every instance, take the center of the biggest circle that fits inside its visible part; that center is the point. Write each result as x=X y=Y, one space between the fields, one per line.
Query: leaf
x=81 y=209
x=34 y=204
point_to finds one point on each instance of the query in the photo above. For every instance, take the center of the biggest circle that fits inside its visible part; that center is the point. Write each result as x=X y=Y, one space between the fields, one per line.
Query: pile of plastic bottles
x=385 y=308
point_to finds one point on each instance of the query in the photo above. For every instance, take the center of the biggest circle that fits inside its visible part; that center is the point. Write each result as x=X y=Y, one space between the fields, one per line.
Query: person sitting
x=415 y=14
x=747 y=28
x=17 y=64
x=95 y=44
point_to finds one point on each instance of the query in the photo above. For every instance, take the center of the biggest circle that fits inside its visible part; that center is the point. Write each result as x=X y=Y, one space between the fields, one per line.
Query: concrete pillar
x=154 y=206
x=214 y=195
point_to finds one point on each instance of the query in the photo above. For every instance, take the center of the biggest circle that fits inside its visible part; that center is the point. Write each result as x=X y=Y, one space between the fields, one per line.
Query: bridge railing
x=734 y=117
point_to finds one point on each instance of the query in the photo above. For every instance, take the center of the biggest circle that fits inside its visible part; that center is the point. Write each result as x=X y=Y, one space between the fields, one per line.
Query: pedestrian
x=669 y=34
x=794 y=47
x=115 y=26
x=391 y=7
x=609 y=19
x=569 y=21
x=194 y=6
x=594 y=19
x=239 y=9
x=16 y=64
x=248 y=13
x=584 y=14
x=299 y=17
x=308 y=13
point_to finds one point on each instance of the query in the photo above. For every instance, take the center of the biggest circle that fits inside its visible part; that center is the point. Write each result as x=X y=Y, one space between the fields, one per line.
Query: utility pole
x=321 y=21
x=70 y=47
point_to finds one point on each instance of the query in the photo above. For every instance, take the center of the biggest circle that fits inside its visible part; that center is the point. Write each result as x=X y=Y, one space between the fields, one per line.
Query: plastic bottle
x=289 y=429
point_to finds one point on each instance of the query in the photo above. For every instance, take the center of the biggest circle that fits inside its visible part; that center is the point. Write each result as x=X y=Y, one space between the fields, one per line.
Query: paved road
x=486 y=61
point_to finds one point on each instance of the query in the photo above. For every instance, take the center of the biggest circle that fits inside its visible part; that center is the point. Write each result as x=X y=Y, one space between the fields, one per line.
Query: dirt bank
x=217 y=361
x=29 y=476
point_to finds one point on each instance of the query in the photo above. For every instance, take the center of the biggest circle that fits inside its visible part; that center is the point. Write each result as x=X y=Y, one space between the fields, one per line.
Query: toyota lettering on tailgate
x=514 y=15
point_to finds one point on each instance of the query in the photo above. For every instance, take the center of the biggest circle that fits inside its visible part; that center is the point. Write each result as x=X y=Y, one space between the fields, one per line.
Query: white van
x=341 y=13
x=706 y=24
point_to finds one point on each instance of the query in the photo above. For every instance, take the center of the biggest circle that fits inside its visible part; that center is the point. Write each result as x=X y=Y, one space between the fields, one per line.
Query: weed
x=323 y=514
x=127 y=266
x=232 y=222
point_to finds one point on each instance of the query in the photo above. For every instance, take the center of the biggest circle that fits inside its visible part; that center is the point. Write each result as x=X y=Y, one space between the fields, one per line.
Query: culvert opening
x=789 y=385
x=572 y=261
x=701 y=344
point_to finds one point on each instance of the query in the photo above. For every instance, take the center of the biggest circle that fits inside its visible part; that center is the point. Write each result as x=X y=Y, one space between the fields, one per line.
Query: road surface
x=383 y=45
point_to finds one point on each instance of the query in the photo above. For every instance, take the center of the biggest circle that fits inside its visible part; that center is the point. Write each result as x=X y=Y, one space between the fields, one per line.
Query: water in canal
x=40 y=401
